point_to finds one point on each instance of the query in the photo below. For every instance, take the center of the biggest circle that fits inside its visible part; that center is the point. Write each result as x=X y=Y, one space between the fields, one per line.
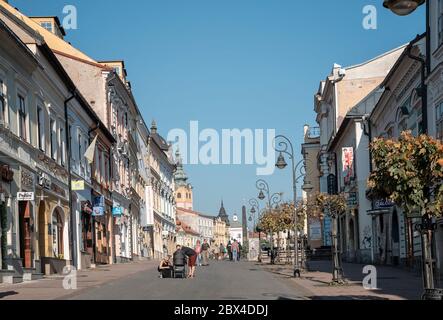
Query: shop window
x=57 y=234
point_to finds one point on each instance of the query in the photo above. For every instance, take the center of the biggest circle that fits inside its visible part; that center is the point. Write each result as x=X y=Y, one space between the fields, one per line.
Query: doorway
x=395 y=239
x=24 y=208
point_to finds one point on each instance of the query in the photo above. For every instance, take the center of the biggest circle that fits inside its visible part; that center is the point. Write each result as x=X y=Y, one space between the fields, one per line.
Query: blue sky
x=230 y=64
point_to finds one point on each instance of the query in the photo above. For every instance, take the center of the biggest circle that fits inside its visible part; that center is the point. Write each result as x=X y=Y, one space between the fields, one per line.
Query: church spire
x=181 y=179
x=223 y=215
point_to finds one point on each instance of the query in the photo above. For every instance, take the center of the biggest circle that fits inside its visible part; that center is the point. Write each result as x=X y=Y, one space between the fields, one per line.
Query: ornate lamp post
x=272 y=200
x=404 y=8
x=285 y=146
x=256 y=213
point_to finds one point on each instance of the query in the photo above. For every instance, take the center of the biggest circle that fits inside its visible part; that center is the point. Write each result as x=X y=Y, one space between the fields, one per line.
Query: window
x=106 y=174
x=41 y=138
x=85 y=147
x=179 y=195
x=2 y=103
x=57 y=234
x=79 y=146
x=47 y=25
x=440 y=22
x=63 y=146
x=22 y=117
x=100 y=166
x=53 y=138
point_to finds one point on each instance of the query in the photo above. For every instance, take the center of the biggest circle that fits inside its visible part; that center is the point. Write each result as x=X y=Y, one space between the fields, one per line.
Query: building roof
x=195 y=213
x=186 y=228
x=223 y=215
x=56 y=19
x=53 y=41
x=236 y=225
x=158 y=139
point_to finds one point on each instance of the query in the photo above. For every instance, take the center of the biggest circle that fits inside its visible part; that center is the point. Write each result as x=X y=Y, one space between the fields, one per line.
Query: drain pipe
x=73 y=220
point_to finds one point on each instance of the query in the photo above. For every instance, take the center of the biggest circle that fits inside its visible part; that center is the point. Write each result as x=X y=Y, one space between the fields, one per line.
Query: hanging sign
x=117 y=211
x=348 y=164
x=99 y=206
x=25 y=196
x=78 y=185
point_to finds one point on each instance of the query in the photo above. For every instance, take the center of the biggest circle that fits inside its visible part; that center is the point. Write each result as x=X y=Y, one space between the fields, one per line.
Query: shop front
x=52 y=226
x=102 y=230
x=86 y=234
x=7 y=178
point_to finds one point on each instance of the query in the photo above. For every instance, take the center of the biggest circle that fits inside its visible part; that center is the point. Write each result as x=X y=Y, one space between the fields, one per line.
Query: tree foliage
x=408 y=171
x=281 y=219
x=330 y=204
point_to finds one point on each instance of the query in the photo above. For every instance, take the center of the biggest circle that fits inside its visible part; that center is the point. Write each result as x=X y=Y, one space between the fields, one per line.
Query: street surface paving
x=218 y=281
x=222 y=280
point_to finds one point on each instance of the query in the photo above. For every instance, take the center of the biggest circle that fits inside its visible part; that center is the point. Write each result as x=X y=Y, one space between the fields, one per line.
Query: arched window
x=179 y=195
x=57 y=234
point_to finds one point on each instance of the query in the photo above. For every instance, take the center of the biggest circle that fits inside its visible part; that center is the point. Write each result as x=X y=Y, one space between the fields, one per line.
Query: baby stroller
x=179 y=262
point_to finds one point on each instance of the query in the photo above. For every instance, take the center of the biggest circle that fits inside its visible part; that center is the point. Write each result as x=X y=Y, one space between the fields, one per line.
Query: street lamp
x=272 y=201
x=255 y=209
x=402 y=7
x=285 y=146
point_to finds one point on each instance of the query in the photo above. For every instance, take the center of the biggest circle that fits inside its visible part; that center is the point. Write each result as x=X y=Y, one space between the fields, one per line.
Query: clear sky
x=230 y=64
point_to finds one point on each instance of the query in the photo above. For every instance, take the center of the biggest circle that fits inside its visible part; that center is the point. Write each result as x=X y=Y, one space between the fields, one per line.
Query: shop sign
x=25 y=196
x=99 y=206
x=383 y=204
x=352 y=199
x=78 y=185
x=117 y=211
x=315 y=231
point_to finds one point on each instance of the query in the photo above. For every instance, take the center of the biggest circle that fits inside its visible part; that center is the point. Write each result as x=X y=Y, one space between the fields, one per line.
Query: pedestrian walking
x=229 y=248
x=216 y=252
x=239 y=251
x=222 y=252
x=235 y=250
x=205 y=253
x=197 y=249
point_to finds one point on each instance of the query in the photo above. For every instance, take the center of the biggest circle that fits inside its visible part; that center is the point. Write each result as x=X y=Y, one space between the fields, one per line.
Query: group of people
x=200 y=256
x=233 y=251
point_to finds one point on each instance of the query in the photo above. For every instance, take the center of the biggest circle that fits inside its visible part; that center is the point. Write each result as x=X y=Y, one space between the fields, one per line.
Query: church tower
x=183 y=189
x=223 y=215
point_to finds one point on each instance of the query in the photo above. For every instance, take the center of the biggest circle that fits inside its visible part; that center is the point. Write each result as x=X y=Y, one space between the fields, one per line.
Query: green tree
x=332 y=205
x=409 y=171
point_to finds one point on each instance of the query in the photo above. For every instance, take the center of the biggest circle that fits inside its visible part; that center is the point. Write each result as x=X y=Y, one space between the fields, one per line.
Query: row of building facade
x=84 y=180
x=193 y=226
x=379 y=98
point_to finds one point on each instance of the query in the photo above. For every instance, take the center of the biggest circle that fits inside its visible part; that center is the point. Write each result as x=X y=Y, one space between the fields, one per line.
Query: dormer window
x=47 y=25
